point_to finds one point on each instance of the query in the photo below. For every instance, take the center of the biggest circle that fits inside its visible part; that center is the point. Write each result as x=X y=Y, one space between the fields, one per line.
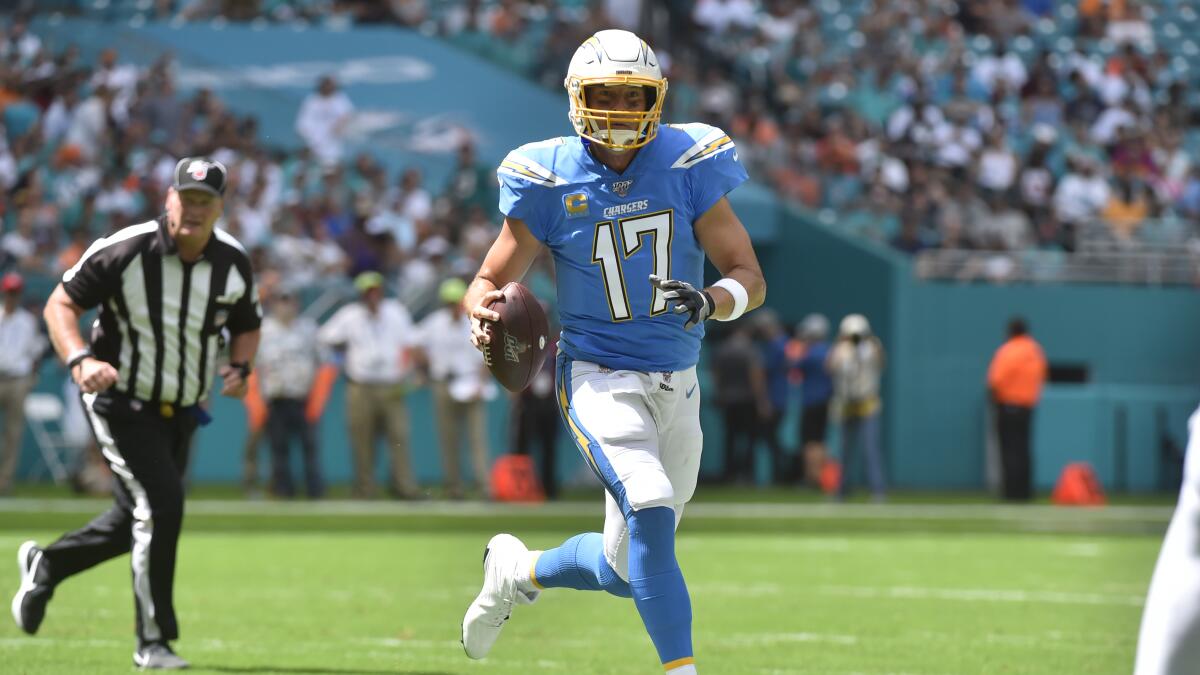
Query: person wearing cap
x=462 y=385
x=816 y=388
x=856 y=365
x=375 y=333
x=287 y=366
x=169 y=291
x=22 y=345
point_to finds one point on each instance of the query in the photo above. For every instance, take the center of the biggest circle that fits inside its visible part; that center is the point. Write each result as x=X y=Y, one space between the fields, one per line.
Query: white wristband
x=740 y=297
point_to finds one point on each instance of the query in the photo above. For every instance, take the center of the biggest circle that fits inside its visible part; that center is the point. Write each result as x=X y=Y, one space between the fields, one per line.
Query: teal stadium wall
x=1142 y=345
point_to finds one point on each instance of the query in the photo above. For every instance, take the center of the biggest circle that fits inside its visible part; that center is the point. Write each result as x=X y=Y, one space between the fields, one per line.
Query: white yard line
x=772 y=639
x=731 y=511
x=985 y=595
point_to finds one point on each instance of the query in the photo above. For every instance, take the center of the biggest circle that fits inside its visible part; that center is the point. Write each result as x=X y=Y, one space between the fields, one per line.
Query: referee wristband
x=76 y=357
x=741 y=299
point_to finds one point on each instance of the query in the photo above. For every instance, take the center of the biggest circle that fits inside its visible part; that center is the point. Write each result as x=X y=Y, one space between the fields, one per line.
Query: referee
x=166 y=290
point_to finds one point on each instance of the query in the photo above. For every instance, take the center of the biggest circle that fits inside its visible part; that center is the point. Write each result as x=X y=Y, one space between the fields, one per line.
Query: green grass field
x=776 y=589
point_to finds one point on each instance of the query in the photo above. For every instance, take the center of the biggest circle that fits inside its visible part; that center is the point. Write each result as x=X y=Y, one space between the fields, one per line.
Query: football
x=518 y=339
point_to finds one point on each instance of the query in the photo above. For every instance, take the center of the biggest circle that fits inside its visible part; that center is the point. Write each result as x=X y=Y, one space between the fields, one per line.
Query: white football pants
x=1169 y=642
x=640 y=432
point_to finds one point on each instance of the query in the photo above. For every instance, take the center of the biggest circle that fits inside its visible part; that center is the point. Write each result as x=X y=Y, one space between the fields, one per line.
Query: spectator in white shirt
x=89 y=125
x=462 y=385
x=121 y=79
x=287 y=365
x=323 y=119
x=375 y=334
x=59 y=115
x=1111 y=121
x=1080 y=196
x=718 y=16
x=997 y=168
x=1001 y=65
x=22 y=345
x=20 y=41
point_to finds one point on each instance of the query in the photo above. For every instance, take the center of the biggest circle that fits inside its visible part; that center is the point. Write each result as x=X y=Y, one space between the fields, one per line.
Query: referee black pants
x=148 y=455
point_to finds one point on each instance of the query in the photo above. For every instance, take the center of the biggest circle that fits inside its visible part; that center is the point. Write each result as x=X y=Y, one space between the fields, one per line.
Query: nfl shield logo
x=621 y=187
x=198 y=170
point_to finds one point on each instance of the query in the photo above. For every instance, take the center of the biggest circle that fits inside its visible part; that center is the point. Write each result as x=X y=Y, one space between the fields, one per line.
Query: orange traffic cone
x=831 y=476
x=1078 y=486
x=514 y=480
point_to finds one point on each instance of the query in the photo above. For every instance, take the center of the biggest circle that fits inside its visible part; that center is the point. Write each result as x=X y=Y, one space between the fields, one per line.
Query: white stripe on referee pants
x=143 y=521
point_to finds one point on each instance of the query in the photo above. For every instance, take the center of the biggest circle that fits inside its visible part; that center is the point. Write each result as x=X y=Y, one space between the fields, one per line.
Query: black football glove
x=697 y=304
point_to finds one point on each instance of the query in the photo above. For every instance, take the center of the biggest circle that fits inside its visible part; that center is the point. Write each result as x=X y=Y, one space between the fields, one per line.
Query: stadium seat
x=44 y=414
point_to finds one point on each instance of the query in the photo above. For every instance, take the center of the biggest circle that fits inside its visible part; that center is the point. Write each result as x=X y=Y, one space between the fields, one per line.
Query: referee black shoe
x=29 y=604
x=158 y=656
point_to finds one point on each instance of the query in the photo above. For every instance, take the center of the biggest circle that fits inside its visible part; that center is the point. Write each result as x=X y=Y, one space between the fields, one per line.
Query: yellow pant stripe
x=678 y=663
x=581 y=438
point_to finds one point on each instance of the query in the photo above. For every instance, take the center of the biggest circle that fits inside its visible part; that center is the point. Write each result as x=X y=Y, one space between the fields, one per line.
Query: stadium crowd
x=1004 y=128
x=1022 y=130
x=1001 y=126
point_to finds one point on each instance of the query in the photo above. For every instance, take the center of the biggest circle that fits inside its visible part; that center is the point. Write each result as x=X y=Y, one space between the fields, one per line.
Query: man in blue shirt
x=772 y=345
x=629 y=209
x=815 y=391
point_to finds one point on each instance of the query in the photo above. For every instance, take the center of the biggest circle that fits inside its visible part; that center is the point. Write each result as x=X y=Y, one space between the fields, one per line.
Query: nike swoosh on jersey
x=691 y=391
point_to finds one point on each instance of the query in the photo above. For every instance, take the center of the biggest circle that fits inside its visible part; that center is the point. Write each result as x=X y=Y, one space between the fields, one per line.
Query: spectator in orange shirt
x=1015 y=380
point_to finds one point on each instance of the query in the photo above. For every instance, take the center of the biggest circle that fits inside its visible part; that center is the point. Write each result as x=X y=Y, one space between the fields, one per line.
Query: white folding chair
x=44 y=414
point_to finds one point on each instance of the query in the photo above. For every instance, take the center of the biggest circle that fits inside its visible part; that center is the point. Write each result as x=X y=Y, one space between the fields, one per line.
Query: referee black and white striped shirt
x=161 y=318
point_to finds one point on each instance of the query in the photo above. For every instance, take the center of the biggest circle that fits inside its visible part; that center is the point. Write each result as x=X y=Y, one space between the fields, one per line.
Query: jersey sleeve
x=97 y=275
x=713 y=168
x=525 y=188
x=247 y=312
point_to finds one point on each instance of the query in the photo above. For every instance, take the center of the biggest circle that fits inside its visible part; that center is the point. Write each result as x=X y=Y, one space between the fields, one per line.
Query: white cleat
x=158 y=656
x=505 y=563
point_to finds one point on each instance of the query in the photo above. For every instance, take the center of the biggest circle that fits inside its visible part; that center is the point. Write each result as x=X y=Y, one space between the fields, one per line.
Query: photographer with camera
x=856 y=364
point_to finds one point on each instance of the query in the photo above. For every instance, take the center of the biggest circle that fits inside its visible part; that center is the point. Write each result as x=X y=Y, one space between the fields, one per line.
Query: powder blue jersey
x=610 y=231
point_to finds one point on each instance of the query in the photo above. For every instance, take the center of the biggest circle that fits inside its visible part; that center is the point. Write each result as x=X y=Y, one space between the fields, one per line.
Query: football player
x=1169 y=643
x=629 y=209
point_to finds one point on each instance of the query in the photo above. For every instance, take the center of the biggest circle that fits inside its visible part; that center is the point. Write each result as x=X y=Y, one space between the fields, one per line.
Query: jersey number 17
x=631 y=231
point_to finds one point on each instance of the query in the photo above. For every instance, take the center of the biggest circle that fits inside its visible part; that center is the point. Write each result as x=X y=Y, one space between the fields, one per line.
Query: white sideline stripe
x=772 y=639
x=714 y=511
x=143 y=520
x=986 y=595
x=60 y=642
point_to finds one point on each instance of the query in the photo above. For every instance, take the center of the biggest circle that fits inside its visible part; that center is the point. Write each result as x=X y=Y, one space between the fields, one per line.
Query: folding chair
x=44 y=414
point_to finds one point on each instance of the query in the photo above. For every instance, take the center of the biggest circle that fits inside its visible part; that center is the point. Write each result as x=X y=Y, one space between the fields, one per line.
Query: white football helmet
x=615 y=58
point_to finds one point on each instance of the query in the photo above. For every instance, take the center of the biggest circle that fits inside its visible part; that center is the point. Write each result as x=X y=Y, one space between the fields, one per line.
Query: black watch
x=244 y=368
x=76 y=357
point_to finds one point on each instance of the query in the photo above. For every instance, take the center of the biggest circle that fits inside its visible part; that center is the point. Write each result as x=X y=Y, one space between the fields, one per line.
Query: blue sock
x=658 y=589
x=580 y=564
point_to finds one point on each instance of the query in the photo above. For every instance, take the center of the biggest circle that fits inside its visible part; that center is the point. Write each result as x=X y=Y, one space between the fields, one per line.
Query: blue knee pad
x=580 y=564
x=657 y=583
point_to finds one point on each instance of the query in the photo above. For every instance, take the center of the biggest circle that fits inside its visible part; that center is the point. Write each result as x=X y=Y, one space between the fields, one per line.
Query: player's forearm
x=750 y=279
x=243 y=347
x=62 y=322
